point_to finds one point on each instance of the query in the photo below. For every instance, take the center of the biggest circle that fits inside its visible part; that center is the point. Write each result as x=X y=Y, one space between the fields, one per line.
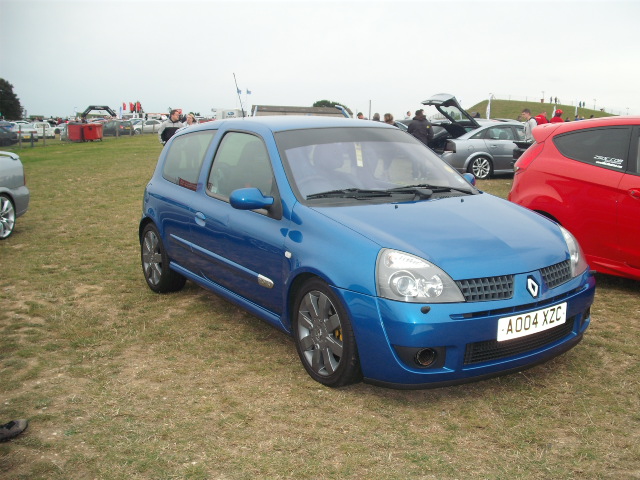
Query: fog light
x=426 y=357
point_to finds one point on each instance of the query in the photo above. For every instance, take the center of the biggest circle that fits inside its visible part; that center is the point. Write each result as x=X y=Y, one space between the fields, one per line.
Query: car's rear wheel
x=481 y=167
x=324 y=337
x=7 y=216
x=155 y=263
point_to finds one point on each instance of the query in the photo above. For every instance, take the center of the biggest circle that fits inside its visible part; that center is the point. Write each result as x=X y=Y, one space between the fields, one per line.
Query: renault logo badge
x=533 y=287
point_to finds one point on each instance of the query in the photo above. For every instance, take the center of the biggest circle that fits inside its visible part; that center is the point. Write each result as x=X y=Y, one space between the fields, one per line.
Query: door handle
x=200 y=219
x=635 y=193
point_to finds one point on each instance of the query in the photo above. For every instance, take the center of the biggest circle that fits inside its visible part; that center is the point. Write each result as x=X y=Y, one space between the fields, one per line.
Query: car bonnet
x=468 y=237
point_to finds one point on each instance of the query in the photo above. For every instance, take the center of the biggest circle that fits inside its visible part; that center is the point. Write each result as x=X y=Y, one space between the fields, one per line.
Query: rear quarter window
x=184 y=159
x=603 y=147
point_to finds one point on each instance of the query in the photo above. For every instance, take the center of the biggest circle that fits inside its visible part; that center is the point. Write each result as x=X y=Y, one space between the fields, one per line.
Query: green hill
x=513 y=108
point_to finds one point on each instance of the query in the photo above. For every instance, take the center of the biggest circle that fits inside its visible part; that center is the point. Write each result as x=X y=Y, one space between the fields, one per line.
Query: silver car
x=485 y=151
x=14 y=194
x=141 y=125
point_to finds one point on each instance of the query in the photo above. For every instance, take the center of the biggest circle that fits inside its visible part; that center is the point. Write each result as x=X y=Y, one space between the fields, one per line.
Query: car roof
x=486 y=125
x=541 y=132
x=278 y=123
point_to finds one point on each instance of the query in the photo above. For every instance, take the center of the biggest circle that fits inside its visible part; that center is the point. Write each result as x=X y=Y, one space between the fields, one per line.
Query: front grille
x=494 y=350
x=488 y=288
x=557 y=274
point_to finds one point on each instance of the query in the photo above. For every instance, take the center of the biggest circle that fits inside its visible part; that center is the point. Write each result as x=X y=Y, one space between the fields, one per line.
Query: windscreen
x=320 y=160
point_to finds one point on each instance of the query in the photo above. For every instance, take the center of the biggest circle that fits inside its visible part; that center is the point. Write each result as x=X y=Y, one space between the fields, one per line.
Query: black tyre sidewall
x=348 y=370
x=170 y=281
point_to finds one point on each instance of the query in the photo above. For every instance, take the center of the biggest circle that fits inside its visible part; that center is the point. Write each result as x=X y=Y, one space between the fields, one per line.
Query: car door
x=628 y=214
x=151 y=126
x=499 y=143
x=242 y=250
x=180 y=194
x=589 y=187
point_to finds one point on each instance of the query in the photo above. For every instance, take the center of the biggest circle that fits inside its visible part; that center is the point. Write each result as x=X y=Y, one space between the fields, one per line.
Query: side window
x=634 y=154
x=603 y=147
x=241 y=161
x=519 y=133
x=499 y=133
x=185 y=158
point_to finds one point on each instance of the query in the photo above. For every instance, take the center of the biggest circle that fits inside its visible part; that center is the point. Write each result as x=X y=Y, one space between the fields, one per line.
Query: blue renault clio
x=382 y=262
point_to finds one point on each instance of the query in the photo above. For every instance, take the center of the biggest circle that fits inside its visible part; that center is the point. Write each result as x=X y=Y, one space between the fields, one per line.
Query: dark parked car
x=486 y=150
x=377 y=257
x=117 y=128
x=586 y=176
x=14 y=194
x=7 y=137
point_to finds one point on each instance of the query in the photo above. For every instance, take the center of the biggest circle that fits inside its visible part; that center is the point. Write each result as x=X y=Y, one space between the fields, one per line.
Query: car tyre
x=324 y=337
x=7 y=216
x=481 y=167
x=155 y=263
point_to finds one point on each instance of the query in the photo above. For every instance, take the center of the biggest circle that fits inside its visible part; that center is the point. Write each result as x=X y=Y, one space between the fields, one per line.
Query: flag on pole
x=239 y=91
x=248 y=92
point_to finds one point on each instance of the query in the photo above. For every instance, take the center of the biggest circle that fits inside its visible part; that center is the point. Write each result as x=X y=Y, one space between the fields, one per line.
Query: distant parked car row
x=23 y=130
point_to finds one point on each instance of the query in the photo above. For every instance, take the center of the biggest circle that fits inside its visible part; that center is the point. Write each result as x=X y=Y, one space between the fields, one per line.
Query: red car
x=585 y=175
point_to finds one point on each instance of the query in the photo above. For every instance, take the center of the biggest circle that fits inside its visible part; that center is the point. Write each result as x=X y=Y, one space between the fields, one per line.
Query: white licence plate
x=532 y=322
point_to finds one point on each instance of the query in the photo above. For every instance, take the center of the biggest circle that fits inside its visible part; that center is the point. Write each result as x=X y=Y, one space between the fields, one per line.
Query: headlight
x=578 y=263
x=407 y=278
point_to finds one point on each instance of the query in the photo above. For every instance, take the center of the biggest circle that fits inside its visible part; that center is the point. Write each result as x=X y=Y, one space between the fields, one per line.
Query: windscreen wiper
x=356 y=193
x=425 y=190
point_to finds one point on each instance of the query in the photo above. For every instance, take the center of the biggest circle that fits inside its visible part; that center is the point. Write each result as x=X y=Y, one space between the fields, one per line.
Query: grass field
x=512 y=109
x=121 y=383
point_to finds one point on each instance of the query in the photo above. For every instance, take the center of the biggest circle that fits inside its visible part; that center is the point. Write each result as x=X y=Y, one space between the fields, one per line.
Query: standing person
x=557 y=117
x=388 y=118
x=421 y=128
x=541 y=118
x=361 y=116
x=191 y=120
x=376 y=117
x=407 y=116
x=169 y=126
x=529 y=124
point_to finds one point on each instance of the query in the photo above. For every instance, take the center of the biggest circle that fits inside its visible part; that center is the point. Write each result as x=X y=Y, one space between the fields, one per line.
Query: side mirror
x=469 y=177
x=249 y=199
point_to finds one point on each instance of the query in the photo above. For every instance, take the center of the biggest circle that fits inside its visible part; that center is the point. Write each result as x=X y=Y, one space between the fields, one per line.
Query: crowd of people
x=420 y=127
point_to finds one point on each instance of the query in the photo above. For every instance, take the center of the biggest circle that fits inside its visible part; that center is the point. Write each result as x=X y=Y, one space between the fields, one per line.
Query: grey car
x=485 y=151
x=141 y=125
x=14 y=194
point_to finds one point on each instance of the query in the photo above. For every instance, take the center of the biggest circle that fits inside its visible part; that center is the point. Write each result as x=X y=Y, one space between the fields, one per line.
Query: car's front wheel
x=324 y=337
x=155 y=263
x=7 y=216
x=481 y=167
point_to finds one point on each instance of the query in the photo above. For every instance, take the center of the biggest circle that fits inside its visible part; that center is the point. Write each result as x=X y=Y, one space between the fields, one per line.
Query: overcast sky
x=62 y=56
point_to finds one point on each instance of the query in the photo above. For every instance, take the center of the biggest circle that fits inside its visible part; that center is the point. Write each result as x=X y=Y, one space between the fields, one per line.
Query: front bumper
x=463 y=335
